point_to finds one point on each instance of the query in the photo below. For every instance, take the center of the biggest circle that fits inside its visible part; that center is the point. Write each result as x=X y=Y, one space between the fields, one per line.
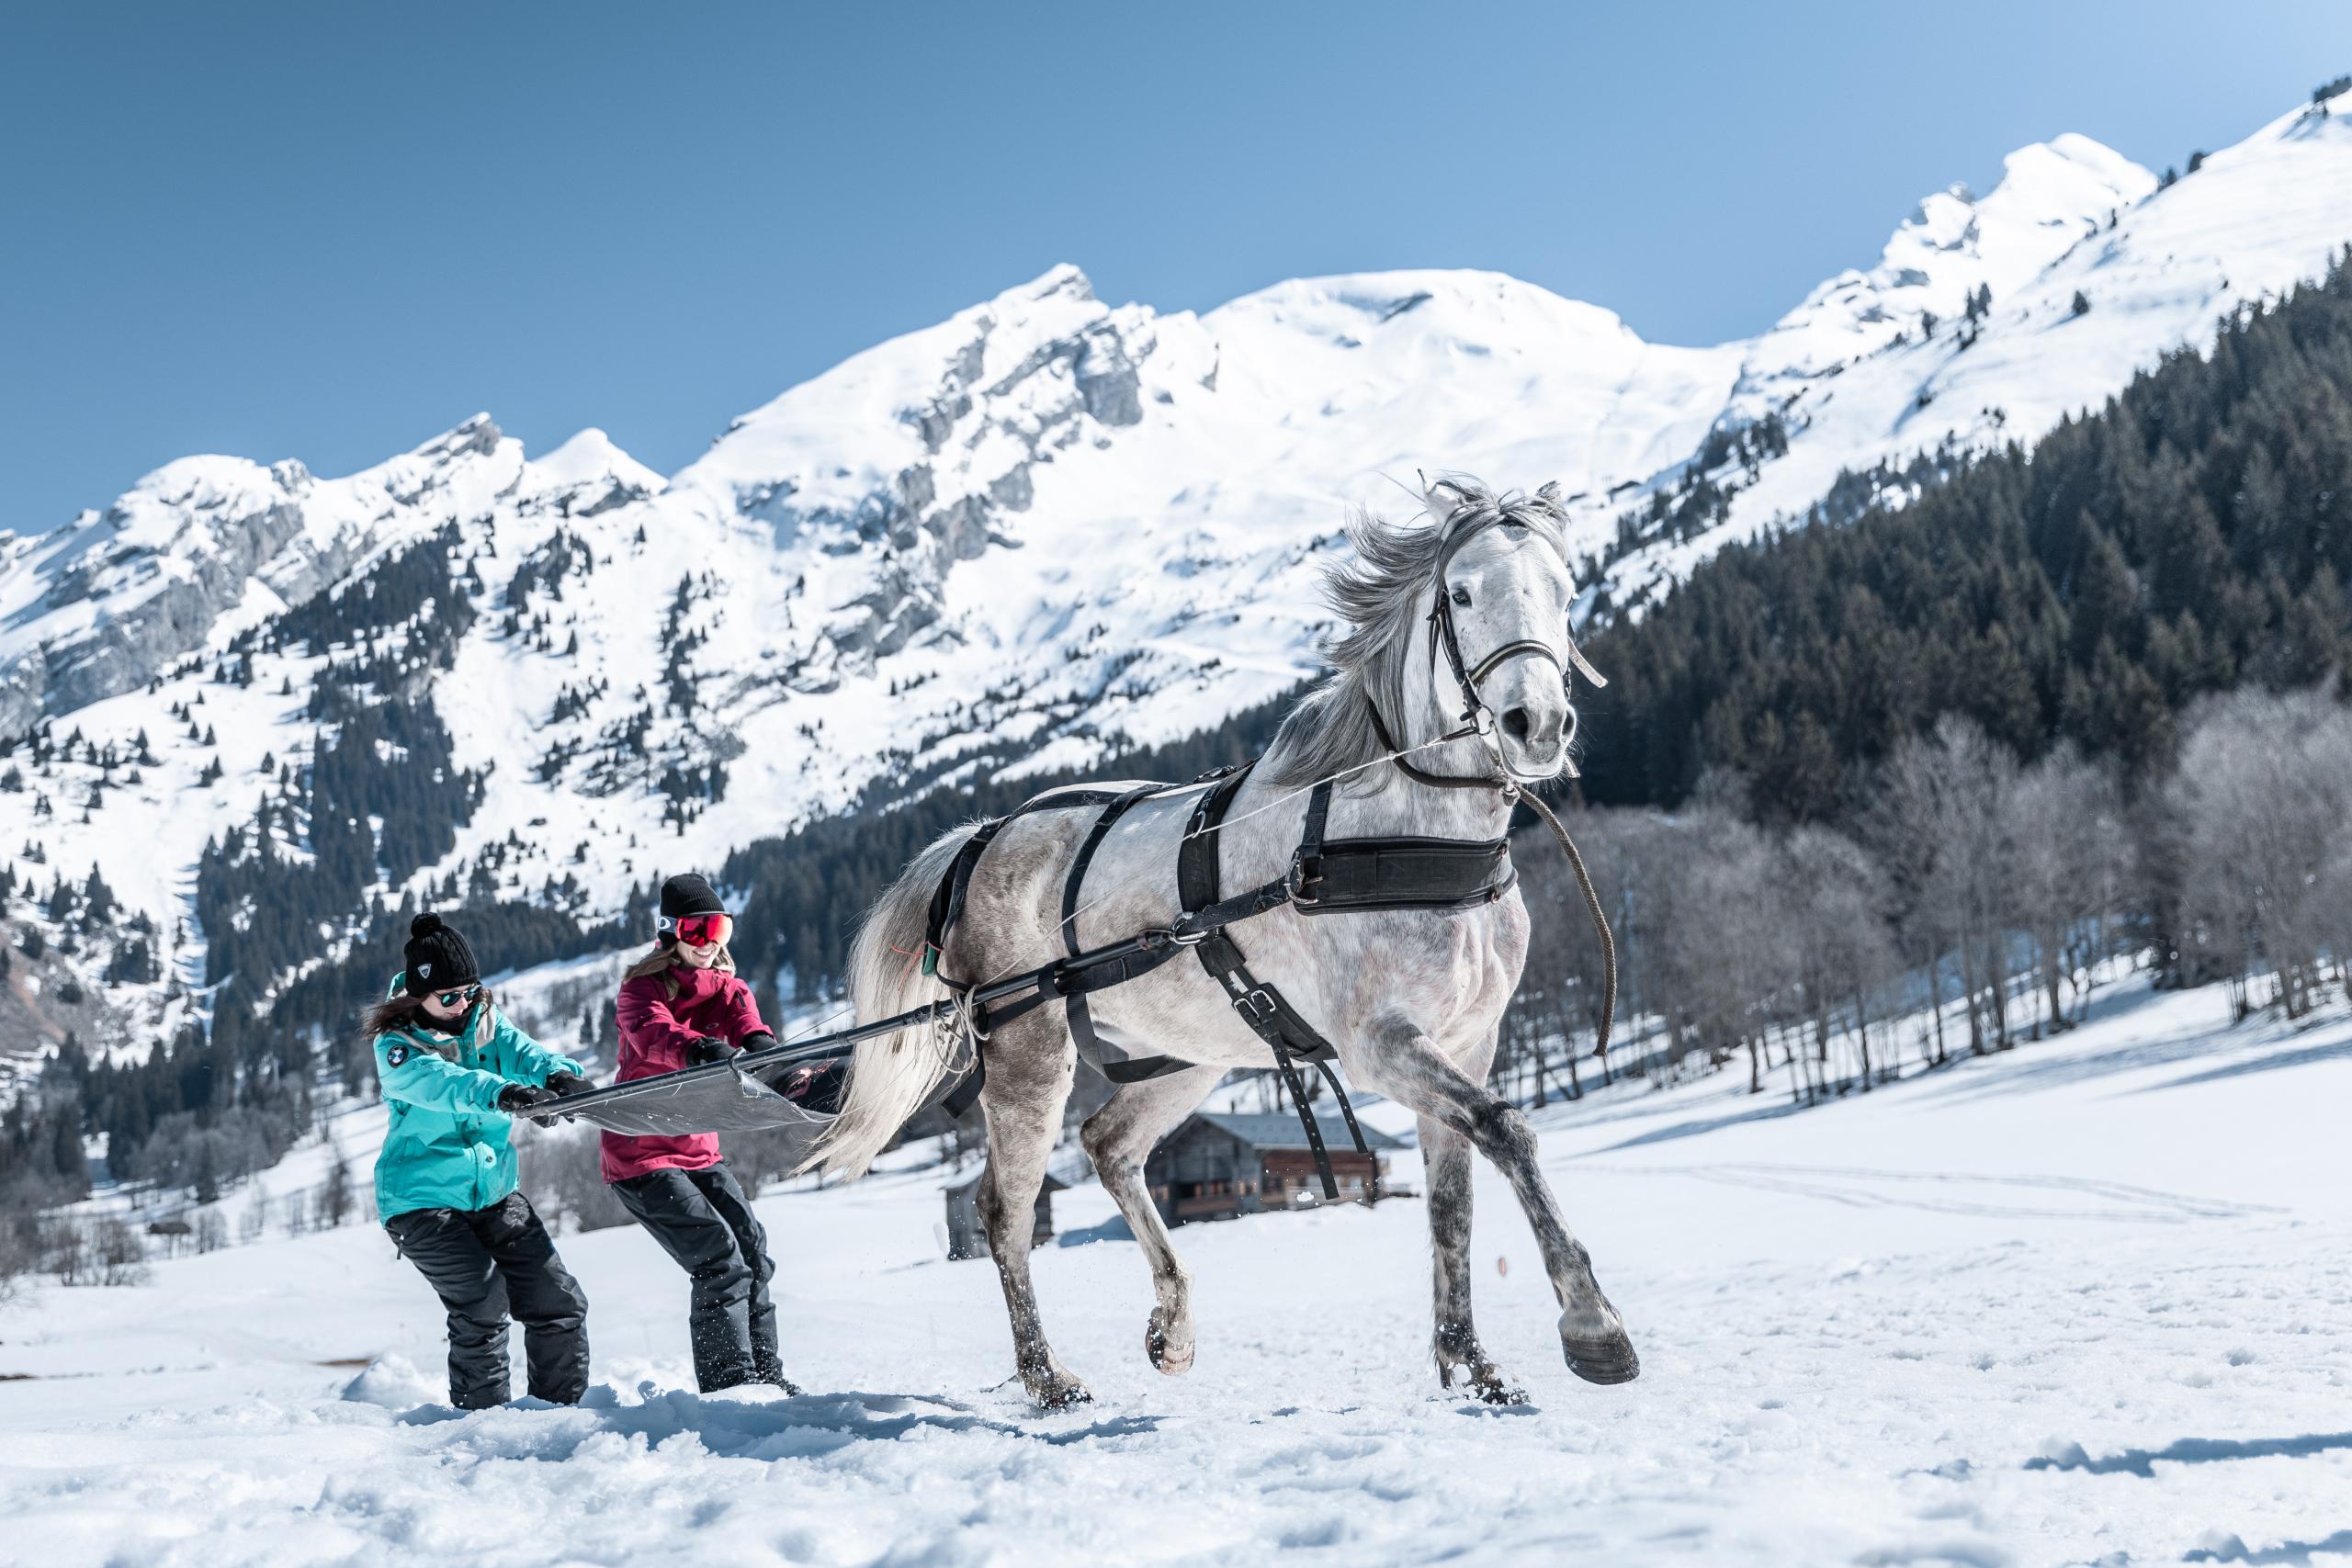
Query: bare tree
x=1836 y=920
x=2067 y=872
x=335 y=1195
x=2264 y=787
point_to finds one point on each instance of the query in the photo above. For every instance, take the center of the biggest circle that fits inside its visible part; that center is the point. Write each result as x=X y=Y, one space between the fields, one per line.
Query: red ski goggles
x=695 y=930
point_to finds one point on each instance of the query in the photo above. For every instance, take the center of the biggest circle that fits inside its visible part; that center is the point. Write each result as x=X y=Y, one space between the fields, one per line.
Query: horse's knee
x=987 y=1206
x=1100 y=1139
x=1503 y=1131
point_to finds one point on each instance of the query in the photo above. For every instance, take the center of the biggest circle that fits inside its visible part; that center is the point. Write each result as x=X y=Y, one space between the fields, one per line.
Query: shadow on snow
x=2190 y=1450
x=798 y=1427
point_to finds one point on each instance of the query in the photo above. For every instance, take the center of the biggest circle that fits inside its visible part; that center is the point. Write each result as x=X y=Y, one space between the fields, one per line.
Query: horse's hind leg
x=1446 y=1155
x=1030 y=1063
x=1405 y=1064
x=1119 y=1138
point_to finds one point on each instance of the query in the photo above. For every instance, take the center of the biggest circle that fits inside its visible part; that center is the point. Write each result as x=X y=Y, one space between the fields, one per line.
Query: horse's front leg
x=1403 y=1063
x=1445 y=1156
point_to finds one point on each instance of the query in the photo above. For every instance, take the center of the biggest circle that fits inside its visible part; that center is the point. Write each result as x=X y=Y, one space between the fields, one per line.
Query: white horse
x=1410 y=998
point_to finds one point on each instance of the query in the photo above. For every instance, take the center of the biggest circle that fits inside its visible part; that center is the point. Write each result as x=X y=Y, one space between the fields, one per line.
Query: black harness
x=1325 y=877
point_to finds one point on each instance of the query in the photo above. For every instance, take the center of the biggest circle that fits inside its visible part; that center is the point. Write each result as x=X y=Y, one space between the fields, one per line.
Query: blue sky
x=332 y=230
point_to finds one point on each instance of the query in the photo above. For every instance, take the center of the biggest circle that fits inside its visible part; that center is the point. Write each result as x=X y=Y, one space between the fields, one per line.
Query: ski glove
x=517 y=1098
x=708 y=1049
x=567 y=1083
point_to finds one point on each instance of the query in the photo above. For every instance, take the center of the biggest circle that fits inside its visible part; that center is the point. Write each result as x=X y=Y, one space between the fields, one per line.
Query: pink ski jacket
x=656 y=1028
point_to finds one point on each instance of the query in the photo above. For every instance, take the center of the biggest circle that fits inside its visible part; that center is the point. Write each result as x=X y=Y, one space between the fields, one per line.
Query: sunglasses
x=695 y=930
x=462 y=994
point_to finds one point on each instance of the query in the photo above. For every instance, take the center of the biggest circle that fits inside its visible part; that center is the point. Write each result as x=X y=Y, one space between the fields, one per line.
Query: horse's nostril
x=1569 y=733
x=1515 y=724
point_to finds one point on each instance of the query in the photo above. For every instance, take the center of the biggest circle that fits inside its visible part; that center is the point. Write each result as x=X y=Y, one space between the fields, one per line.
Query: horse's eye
x=1461 y=597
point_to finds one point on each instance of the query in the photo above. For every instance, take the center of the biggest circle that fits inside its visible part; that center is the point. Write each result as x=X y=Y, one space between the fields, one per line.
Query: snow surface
x=2079 y=1304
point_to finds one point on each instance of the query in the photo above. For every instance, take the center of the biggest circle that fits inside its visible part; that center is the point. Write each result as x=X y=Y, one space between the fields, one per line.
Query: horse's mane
x=1381 y=592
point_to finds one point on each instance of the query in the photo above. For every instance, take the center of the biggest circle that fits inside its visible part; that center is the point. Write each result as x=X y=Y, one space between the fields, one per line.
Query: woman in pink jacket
x=680 y=1006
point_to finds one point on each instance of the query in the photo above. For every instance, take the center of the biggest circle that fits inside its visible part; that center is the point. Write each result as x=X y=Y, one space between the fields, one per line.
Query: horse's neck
x=1432 y=708
x=1417 y=810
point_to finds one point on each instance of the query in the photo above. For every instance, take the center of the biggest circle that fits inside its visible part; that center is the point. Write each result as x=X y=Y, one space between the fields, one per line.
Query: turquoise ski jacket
x=447 y=1145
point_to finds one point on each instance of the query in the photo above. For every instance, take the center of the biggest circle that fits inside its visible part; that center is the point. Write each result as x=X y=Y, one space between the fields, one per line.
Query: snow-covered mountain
x=1044 y=528
x=1857 y=376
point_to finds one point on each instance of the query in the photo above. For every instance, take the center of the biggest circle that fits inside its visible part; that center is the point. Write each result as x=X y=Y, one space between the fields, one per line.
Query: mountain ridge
x=1039 y=531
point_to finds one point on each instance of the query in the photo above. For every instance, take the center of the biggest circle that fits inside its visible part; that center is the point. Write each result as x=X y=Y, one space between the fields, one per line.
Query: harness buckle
x=1255 y=1006
x=1482 y=719
x=1306 y=871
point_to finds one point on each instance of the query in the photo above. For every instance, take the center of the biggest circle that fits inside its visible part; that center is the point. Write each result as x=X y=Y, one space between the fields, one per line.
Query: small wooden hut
x=965 y=1237
x=1218 y=1167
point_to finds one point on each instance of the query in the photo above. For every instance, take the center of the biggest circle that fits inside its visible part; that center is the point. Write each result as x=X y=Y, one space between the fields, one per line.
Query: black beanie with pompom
x=688 y=894
x=437 y=956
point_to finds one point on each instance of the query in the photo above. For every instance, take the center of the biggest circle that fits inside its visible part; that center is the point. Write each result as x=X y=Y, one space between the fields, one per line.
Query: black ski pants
x=704 y=1222
x=483 y=1263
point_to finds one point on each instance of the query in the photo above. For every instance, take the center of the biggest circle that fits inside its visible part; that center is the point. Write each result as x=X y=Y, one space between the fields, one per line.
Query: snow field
x=2080 y=1303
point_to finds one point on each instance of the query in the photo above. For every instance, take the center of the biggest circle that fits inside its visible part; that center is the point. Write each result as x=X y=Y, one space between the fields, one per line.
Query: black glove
x=517 y=1098
x=760 y=1040
x=708 y=1049
x=567 y=1083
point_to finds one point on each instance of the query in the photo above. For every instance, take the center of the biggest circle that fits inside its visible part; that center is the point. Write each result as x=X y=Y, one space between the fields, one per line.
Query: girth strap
x=1288 y=1035
x=1074 y=986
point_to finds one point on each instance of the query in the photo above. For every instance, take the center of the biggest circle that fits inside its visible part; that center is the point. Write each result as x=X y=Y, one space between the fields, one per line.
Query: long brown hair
x=659 y=960
x=400 y=1012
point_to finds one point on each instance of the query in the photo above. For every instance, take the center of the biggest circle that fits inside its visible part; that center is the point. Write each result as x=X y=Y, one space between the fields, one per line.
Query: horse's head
x=1454 y=632
x=1499 y=592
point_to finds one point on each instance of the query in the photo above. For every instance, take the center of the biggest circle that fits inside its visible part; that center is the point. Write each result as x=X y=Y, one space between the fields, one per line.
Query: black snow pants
x=483 y=1263
x=704 y=1221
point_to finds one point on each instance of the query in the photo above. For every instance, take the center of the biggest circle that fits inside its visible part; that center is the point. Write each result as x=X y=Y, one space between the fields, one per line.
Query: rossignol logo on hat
x=425 y=971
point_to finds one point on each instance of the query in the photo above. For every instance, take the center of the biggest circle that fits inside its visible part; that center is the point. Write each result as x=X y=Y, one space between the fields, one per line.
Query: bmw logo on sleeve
x=396 y=1056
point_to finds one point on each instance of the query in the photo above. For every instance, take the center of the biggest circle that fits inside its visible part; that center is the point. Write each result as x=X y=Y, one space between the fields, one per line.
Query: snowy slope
x=2079 y=1304
x=1049 y=526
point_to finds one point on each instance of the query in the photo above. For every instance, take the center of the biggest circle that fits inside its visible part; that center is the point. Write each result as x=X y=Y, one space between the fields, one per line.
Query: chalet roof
x=1283 y=1132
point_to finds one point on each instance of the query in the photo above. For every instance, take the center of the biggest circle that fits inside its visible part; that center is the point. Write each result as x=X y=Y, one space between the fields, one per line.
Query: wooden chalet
x=1218 y=1167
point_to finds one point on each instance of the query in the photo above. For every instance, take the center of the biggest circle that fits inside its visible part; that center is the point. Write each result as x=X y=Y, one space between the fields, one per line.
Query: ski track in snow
x=2082 y=1303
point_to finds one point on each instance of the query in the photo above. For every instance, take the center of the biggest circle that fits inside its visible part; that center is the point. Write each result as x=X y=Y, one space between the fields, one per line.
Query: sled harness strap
x=1290 y=1037
x=1081 y=1021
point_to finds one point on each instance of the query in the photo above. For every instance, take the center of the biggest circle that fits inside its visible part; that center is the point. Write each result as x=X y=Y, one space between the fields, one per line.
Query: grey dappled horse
x=1410 y=998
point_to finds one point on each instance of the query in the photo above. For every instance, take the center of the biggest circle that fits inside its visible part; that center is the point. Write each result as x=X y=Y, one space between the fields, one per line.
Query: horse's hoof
x=1062 y=1393
x=1607 y=1358
x=1486 y=1381
x=1175 y=1360
x=1497 y=1389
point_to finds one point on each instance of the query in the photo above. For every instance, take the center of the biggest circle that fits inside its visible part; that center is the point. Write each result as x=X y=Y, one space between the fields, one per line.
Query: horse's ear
x=1441 y=500
x=1548 y=492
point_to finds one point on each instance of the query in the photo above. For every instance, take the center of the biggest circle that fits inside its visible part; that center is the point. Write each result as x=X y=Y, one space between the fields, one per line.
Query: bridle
x=1477 y=718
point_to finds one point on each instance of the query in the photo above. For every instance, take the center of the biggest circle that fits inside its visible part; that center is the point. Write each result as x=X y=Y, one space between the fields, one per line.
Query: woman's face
x=699 y=940
x=447 y=1007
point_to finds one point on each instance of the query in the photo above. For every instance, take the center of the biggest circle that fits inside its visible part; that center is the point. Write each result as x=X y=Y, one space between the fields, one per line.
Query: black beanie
x=689 y=894
x=437 y=957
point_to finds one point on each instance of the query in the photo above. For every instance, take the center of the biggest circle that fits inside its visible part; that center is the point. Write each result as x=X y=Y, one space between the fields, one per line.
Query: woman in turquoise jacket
x=455 y=1074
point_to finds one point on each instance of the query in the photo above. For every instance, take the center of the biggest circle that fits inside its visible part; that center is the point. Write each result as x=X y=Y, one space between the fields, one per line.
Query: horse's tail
x=893 y=1074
